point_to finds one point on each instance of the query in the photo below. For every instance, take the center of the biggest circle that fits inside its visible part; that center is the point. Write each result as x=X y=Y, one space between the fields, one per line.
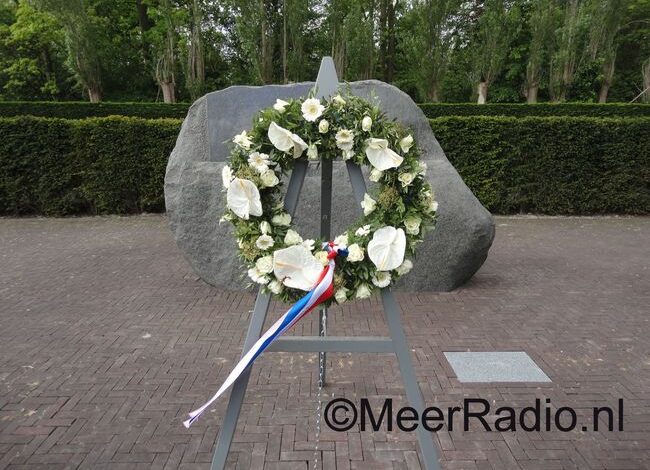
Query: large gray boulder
x=449 y=256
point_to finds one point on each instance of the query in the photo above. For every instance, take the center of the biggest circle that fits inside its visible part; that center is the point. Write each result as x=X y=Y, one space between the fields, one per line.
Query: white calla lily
x=380 y=156
x=387 y=247
x=296 y=267
x=243 y=198
x=285 y=140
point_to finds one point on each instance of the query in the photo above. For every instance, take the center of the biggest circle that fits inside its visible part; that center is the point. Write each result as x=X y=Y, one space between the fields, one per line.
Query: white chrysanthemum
x=366 y=123
x=362 y=231
x=387 y=247
x=292 y=238
x=264 y=242
x=269 y=178
x=375 y=175
x=412 y=224
x=226 y=176
x=406 y=179
x=243 y=140
x=282 y=220
x=312 y=109
x=243 y=198
x=257 y=276
x=341 y=240
x=406 y=143
x=338 y=100
x=341 y=295
x=280 y=105
x=264 y=264
x=355 y=253
x=285 y=140
x=312 y=152
x=368 y=204
x=405 y=267
x=380 y=156
x=363 y=291
x=323 y=126
x=275 y=286
x=381 y=279
x=345 y=139
x=259 y=161
x=265 y=227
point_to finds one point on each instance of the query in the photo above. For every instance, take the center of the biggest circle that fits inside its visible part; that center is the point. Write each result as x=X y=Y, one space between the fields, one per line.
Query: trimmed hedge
x=83 y=109
x=116 y=165
x=552 y=165
x=435 y=110
x=112 y=165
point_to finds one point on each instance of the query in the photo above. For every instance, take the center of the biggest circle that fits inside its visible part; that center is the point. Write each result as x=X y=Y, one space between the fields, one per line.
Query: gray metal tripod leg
x=239 y=388
x=413 y=393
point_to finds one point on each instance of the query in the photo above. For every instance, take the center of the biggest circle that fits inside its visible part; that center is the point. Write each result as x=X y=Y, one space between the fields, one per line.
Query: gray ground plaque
x=482 y=366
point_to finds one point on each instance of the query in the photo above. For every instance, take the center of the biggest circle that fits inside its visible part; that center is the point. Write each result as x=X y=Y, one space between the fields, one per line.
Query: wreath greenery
x=397 y=212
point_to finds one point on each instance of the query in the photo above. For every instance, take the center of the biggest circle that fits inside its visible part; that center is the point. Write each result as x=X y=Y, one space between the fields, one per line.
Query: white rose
x=433 y=207
x=366 y=123
x=257 y=276
x=375 y=175
x=405 y=267
x=226 y=176
x=406 y=143
x=381 y=279
x=345 y=139
x=292 y=237
x=264 y=264
x=282 y=220
x=309 y=244
x=412 y=224
x=243 y=140
x=264 y=242
x=341 y=240
x=341 y=295
x=362 y=231
x=312 y=152
x=406 y=178
x=323 y=126
x=312 y=109
x=347 y=154
x=265 y=227
x=275 y=286
x=363 y=291
x=269 y=178
x=279 y=106
x=368 y=204
x=355 y=253
x=338 y=99
x=423 y=168
x=321 y=257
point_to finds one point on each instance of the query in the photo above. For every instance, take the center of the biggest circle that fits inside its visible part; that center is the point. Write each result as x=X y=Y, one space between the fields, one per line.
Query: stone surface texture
x=449 y=256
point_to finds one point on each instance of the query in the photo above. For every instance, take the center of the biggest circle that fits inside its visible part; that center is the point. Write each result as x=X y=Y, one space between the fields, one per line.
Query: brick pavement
x=107 y=339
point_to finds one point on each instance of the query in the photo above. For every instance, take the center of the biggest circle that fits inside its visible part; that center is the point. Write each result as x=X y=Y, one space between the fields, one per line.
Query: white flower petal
x=296 y=267
x=243 y=198
x=380 y=156
x=280 y=137
x=387 y=247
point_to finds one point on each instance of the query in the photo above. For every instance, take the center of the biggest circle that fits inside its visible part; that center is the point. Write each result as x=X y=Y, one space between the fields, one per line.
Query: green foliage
x=81 y=110
x=551 y=165
x=435 y=110
x=111 y=165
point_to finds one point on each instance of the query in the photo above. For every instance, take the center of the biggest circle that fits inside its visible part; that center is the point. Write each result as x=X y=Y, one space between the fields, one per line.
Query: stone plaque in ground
x=448 y=257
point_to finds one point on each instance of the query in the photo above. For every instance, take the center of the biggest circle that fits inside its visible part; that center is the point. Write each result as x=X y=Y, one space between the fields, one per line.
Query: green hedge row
x=82 y=110
x=116 y=165
x=553 y=165
x=112 y=165
x=435 y=110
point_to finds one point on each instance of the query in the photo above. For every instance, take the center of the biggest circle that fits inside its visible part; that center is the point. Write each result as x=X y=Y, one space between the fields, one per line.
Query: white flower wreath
x=379 y=244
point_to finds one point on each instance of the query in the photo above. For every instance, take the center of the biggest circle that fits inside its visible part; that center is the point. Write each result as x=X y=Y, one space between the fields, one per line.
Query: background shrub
x=434 y=110
x=81 y=110
x=551 y=165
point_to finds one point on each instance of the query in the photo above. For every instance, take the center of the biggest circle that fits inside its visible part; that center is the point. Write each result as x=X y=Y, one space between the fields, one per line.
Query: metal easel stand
x=395 y=343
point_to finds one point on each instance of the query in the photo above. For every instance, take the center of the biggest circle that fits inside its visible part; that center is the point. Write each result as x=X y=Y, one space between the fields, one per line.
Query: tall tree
x=195 y=71
x=543 y=23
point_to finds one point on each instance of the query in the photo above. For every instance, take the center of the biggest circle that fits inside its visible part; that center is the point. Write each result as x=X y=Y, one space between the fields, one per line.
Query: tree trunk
x=95 y=95
x=531 y=94
x=482 y=92
x=433 y=93
x=602 y=95
x=169 y=94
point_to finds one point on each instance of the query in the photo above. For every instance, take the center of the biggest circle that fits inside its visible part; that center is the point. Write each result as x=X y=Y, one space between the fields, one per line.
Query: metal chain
x=319 y=395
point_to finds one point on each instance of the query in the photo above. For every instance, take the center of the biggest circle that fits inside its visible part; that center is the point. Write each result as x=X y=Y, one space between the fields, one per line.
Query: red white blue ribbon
x=323 y=289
